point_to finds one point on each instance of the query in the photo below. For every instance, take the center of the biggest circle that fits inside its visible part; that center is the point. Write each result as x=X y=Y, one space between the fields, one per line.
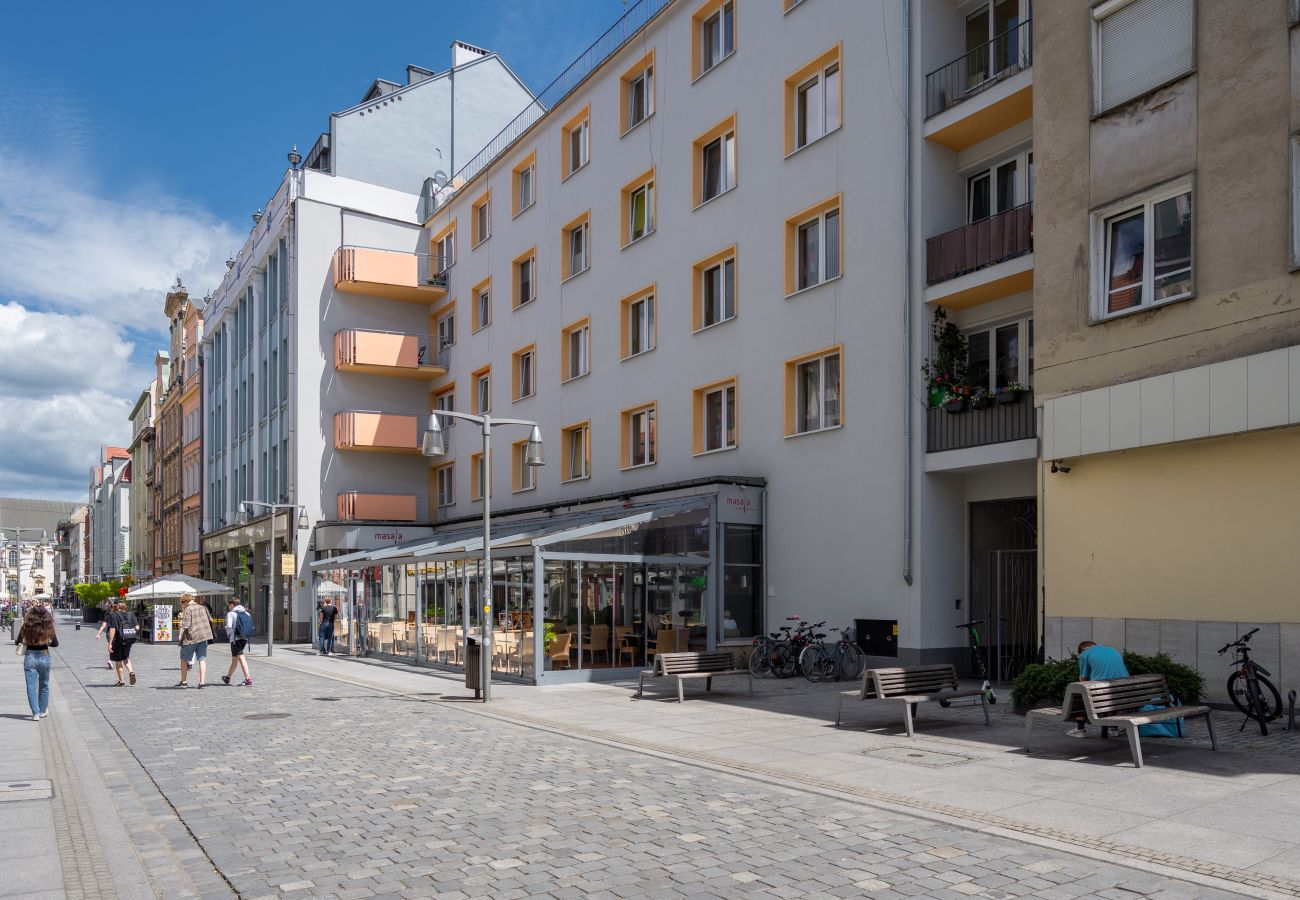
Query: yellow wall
x=1205 y=530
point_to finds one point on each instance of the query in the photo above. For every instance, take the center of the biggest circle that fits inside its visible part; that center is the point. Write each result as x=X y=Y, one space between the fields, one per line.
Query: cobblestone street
x=303 y=786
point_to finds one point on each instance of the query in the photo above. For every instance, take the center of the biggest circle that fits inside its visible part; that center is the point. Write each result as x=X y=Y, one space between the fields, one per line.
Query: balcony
x=388 y=353
x=999 y=423
x=359 y=507
x=984 y=91
x=377 y=431
x=391 y=274
x=982 y=261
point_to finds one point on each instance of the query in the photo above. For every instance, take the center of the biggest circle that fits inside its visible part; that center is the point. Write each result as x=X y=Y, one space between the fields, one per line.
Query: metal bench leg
x=1134 y=744
x=681 y=697
x=984 y=702
x=1029 y=726
x=708 y=683
x=839 y=706
x=907 y=717
x=640 y=688
x=1214 y=744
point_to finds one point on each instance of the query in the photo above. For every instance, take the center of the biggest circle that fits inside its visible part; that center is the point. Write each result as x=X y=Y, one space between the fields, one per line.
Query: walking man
x=239 y=625
x=328 y=614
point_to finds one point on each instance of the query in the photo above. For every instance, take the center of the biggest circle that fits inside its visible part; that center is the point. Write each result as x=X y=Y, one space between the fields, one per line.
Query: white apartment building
x=273 y=401
x=109 y=514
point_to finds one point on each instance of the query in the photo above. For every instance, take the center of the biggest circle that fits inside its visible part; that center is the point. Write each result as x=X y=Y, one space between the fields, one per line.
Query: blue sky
x=135 y=141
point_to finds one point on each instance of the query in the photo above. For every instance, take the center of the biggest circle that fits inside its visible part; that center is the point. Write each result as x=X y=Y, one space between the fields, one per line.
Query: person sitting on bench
x=1097 y=662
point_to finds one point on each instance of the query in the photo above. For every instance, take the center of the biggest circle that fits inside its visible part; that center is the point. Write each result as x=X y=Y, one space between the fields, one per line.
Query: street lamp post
x=275 y=574
x=434 y=444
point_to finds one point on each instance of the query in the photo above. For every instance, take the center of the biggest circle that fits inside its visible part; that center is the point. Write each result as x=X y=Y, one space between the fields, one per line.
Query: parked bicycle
x=841 y=661
x=778 y=653
x=1249 y=690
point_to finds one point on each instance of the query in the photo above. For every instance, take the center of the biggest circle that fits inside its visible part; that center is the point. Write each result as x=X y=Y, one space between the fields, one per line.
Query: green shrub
x=1046 y=682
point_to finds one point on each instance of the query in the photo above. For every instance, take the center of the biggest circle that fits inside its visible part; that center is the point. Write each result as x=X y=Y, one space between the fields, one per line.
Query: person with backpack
x=239 y=626
x=122 y=632
x=328 y=614
x=36 y=638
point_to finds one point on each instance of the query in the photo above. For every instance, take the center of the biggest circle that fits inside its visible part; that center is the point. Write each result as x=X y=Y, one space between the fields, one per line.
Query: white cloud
x=70 y=249
x=51 y=353
x=48 y=444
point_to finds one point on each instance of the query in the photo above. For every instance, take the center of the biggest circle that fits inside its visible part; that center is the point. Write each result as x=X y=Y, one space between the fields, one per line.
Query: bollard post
x=1290 y=722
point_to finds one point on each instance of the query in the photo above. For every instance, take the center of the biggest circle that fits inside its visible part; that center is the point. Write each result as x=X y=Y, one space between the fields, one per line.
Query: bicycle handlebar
x=1239 y=642
x=970 y=623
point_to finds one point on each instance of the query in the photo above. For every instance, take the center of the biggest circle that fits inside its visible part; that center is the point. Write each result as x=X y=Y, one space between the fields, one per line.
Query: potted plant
x=980 y=398
x=946 y=368
x=548 y=638
x=1010 y=393
x=957 y=397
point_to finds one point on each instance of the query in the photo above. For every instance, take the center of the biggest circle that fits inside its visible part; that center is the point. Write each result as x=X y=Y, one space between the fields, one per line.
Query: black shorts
x=120 y=651
x=237 y=646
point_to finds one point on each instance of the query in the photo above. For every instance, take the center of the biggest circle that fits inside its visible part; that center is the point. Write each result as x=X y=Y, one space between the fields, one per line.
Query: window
x=714 y=417
x=523 y=476
x=444 y=328
x=576 y=444
x=1000 y=355
x=525 y=281
x=638 y=325
x=638 y=84
x=994 y=44
x=444 y=248
x=481 y=312
x=1139 y=46
x=445 y=483
x=813 y=244
x=576 y=349
x=577 y=241
x=639 y=436
x=477 y=481
x=713 y=35
x=445 y=400
x=524 y=364
x=575 y=143
x=714 y=290
x=482 y=390
x=715 y=165
x=637 y=200
x=812 y=392
x=525 y=183
x=1125 y=276
x=813 y=100
x=1000 y=187
x=481 y=221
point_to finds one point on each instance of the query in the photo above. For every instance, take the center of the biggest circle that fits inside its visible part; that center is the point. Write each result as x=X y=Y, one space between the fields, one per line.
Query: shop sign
x=288 y=563
x=740 y=505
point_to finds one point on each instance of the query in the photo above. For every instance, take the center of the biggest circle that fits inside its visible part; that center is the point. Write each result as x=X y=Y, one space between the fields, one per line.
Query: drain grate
x=257 y=717
x=328 y=699
x=35 y=789
x=914 y=756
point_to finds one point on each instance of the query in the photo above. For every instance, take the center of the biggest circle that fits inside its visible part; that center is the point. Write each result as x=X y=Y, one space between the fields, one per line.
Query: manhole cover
x=260 y=716
x=35 y=789
x=914 y=756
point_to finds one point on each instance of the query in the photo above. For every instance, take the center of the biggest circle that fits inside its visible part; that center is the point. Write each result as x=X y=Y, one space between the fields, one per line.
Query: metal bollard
x=1290 y=722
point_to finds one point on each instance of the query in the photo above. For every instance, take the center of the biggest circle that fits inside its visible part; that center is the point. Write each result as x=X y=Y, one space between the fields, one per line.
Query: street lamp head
x=303 y=524
x=433 y=444
x=243 y=508
x=533 y=455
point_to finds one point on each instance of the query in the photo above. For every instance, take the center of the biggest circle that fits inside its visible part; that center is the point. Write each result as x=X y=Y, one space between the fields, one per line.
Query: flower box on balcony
x=954 y=405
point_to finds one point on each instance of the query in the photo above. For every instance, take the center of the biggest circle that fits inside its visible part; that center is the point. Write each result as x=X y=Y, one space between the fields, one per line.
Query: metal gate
x=1003 y=591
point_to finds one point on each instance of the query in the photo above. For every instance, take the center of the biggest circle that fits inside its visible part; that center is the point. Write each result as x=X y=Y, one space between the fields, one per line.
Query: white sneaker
x=1077 y=732
x=36 y=718
x=44 y=714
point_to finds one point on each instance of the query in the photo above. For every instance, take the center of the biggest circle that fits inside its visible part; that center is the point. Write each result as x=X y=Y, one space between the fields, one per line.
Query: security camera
x=1059 y=466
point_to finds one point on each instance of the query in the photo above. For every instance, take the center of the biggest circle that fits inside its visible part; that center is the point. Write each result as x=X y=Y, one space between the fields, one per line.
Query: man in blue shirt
x=1098 y=662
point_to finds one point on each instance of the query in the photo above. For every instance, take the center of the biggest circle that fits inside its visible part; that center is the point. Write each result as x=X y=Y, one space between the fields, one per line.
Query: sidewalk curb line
x=791 y=782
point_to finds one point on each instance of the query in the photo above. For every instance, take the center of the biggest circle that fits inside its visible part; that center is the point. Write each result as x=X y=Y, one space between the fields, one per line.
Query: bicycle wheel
x=760 y=660
x=784 y=661
x=1267 y=697
x=812 y=662
x=850 y=663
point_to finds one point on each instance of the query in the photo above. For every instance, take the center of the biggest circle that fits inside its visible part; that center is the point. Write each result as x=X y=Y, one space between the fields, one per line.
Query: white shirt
x=232 y=619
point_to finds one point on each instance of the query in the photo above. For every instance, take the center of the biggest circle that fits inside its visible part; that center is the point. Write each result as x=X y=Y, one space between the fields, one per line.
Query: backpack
x=127 y=628
x=1169 y=728
x=243 y=624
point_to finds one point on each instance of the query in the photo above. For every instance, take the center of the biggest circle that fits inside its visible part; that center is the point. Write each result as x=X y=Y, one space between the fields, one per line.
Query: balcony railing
x=369 y=430
x=1007 y=54
x=354 y=506
x=994 y=424
x=389 y=353
x=984 y=243
x=393 y=274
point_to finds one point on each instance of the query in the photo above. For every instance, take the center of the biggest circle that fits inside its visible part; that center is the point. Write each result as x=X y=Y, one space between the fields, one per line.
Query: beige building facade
x=1167 y=326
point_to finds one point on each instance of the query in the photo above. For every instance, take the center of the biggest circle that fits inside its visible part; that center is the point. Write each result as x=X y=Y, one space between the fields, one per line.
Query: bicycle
x=1249 y=690
x=843 y=661
x=973 y=639
x=768 y=650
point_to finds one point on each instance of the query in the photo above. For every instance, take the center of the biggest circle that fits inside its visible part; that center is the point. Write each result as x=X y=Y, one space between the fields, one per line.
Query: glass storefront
x=571 y=596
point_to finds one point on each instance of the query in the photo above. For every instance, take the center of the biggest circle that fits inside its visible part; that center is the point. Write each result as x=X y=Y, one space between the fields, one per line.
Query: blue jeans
x=36 y=667
x=327 y=637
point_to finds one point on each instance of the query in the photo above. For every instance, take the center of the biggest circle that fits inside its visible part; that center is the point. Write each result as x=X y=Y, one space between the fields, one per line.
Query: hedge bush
x=1046 y=682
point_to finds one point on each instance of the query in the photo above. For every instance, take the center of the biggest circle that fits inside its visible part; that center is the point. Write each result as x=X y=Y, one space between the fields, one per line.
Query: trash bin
x=473 y=666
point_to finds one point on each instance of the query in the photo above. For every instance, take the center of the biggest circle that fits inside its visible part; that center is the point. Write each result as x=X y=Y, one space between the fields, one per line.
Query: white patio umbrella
x=168 y=586
x=330 y=587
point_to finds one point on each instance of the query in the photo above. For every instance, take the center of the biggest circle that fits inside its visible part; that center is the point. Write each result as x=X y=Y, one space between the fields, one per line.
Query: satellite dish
x=440 y=178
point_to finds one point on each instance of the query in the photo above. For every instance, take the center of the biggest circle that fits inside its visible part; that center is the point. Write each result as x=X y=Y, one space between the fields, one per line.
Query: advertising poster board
x=162 y=623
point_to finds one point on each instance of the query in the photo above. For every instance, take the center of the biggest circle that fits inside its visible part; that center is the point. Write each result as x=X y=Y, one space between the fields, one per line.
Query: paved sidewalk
x=333 y=783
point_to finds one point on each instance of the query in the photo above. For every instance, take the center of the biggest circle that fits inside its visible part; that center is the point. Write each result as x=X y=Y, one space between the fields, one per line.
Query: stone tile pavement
x=333 y=779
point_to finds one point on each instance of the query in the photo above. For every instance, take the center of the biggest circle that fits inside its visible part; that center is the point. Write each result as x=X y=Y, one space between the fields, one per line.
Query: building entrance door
x=1004 y=583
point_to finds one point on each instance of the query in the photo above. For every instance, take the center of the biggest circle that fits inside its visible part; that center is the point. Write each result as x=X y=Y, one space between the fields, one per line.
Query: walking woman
x=196 y=632
x=122 y=632
x=37 y=637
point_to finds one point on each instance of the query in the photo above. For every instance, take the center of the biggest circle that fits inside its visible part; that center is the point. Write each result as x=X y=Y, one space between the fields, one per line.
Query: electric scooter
x=986 y=687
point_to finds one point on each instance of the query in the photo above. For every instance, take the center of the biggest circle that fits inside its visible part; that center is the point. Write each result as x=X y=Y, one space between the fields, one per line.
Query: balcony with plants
x=391 y=274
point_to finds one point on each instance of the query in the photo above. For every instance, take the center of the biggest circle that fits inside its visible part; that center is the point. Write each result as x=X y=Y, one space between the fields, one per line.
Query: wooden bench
x=1118 y=703
x=685 y=666
x=910 y=686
